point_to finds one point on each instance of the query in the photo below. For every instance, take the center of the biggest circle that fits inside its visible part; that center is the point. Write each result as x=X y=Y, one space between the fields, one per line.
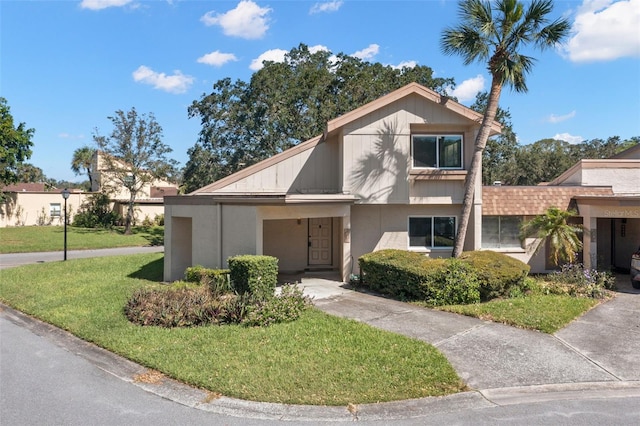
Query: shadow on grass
x=155 y=235
x=152 y=271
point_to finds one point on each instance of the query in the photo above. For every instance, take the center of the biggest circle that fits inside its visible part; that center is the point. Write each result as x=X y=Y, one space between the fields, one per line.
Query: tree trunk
x=129 y=220
x=476 y=165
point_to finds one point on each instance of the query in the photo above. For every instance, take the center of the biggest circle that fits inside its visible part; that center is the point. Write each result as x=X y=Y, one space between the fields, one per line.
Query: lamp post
x=65 y=195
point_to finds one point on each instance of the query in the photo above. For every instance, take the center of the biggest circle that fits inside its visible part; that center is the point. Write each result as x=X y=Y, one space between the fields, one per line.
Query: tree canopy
x=135 y=154
x=495 y=33
x=286 y=103
x=82 y=161
x=15 y=145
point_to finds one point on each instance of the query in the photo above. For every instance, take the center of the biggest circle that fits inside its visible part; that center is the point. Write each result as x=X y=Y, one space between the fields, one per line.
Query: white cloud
x=176 y=83
x=318 y=48
x=569 y=138
x=275 y=55
x=605 y=30
x=70 y=136
x=329 y=6
x=247 y=20
x=367 y=53
x=468 y=89
x=103 y=4
x=405 y=64
x=560 y=118
x=217 y=58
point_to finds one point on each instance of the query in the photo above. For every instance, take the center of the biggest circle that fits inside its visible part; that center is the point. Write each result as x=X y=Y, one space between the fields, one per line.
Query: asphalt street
x=586 y=374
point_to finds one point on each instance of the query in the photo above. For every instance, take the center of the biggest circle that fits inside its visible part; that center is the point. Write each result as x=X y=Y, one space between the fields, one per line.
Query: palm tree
x=494 y=34
x=563 y=238
x=82 y=161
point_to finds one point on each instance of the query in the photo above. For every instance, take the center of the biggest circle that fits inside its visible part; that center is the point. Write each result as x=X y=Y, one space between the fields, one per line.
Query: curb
x=200 y=399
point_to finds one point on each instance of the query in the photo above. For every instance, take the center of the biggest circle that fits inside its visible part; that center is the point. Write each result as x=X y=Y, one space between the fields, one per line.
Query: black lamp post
x=65 y=195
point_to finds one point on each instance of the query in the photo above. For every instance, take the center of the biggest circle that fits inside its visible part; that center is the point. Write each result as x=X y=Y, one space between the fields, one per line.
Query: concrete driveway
x=601 y=347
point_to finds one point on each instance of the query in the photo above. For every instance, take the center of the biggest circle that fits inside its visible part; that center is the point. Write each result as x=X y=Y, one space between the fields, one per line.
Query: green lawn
x=546 y=313
x=319 y=359
x=27 y=239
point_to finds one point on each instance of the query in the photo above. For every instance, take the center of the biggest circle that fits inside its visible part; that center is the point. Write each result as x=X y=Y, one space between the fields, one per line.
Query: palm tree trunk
x=476 y=165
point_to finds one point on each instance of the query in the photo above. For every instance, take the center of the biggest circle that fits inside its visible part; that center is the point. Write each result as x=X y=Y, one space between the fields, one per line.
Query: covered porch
x=612 y=230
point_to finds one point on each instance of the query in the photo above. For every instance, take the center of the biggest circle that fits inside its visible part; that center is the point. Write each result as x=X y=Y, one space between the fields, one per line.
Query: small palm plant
x=563 y=237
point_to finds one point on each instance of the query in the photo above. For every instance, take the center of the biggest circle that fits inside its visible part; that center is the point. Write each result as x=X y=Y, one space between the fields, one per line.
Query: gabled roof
x=533 y=200
x=629 y=153
x=409 y=89
x=336 y=124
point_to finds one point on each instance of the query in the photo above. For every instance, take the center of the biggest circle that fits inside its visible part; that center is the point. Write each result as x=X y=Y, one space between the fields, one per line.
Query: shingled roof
x=533 y=200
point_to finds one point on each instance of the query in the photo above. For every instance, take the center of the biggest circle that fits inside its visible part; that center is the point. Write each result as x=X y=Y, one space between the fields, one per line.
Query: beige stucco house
x=389 y=174
x=31 y=204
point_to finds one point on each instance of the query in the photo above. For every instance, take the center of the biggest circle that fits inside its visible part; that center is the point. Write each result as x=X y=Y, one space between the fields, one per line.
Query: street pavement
x=592 y=360
x=11 y=260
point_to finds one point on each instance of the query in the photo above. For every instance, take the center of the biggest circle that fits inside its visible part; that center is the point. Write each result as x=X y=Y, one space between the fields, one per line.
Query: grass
x=546 y=313
x=319 y=359
x=27 y=239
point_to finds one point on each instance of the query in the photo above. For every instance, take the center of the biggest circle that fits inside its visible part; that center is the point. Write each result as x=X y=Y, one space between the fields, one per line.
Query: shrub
x=286 y=307
x=412 y=276
x=96 y=212
x=455 y=284
x=500 y=275
x=256 y=275
x=178 y=307
x=186 y=304
x=218 y=280
x=574 y=280
x=398 y=273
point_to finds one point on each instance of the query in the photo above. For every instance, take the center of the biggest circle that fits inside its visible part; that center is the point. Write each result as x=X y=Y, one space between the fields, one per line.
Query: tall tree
x=27 y=172
x=15 y=145
x=286 y=103
x=134 y=154
x=82 y=162
x=554 y=227
x=498 y=161
x=495 y=35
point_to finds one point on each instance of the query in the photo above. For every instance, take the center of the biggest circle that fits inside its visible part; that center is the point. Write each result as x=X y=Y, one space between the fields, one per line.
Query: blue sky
x=68 y=65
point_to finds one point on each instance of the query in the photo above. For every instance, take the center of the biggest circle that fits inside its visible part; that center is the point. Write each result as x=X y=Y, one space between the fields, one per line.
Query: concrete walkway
x=602 y=346
x=594 y=357
x=17 y=259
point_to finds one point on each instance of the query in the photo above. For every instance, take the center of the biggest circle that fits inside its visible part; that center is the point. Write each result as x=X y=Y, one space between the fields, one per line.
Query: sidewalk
x=16 y=259
x=594 y=357
x=487 y=355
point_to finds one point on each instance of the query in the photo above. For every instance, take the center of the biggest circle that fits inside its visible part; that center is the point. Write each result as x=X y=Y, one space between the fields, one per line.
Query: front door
x=320 y=243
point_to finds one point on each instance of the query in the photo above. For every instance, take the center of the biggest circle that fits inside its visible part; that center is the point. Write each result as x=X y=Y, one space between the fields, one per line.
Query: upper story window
x=436 y=151
x=501 y=232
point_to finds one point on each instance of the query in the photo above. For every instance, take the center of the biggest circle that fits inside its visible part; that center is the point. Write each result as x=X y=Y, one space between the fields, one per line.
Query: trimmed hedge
x=412 y=276
x=499 y=274
x=475 y=276
x=218 y=280
x=256 y=275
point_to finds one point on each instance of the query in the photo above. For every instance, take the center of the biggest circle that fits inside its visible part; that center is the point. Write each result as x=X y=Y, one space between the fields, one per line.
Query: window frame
x=438 y=139
x=500 y=245
x=433 y=235
x=55 y=212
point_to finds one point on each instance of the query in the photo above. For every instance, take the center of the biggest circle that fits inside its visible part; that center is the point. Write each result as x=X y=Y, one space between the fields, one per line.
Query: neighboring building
x=149 y=201
x=389 y=174
x=604 y=193
x=30 y=204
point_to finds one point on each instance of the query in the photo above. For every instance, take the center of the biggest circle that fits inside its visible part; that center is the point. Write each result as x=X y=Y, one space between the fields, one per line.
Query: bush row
x=474 y=277
x=244 y=293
